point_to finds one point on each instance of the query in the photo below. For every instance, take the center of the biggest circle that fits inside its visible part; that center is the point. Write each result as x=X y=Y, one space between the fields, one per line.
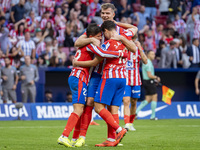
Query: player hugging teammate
x=108 y=80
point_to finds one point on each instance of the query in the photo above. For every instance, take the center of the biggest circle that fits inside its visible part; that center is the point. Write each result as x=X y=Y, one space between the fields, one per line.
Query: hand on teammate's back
x=95 y=41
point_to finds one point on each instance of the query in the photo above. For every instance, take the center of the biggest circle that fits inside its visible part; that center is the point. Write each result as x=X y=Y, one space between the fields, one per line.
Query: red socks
x=132 y=118
x=77 y=129
x=111 y=131
x=85 y=120
x=126 y=119
x=108 y=118
x=72 y=121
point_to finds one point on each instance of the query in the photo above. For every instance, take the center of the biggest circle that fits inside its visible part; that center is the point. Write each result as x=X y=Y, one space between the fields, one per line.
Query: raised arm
x=83 y=41
x=142 y=54
x=132 y=28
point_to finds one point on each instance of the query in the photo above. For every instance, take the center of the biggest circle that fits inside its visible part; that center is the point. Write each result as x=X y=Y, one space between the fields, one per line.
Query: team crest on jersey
x=105 y=46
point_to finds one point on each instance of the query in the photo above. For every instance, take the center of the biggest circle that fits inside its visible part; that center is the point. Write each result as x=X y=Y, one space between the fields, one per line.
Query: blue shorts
x=79 y=90
x=110 y=91
x=132 y=91
x=93 y=84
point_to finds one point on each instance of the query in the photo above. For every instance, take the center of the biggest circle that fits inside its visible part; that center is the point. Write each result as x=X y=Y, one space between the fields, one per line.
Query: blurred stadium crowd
x=46 y=30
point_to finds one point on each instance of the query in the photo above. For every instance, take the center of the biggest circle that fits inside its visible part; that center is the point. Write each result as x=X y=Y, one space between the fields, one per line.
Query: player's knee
x=126 y=102
x=79 y=110
x=90 y=101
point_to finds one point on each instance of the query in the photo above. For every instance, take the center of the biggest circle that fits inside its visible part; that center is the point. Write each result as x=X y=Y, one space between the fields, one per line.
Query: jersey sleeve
x=103 y=52
x=147 y=67
x=127 y=34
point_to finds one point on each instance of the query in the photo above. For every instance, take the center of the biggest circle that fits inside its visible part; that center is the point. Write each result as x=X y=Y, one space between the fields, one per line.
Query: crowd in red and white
x=47 y=29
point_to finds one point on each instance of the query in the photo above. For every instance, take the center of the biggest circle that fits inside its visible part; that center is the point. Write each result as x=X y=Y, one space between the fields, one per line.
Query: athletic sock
x=153 y=108
x=108 y=118
x=132 y=118
x=111 y=131
x=77 y=129
x=73 y=119
x=126 y=119
x=142 y=105
x=85 y=120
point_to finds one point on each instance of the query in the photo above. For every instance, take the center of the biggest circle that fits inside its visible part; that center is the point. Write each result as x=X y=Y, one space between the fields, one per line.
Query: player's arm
x=196 y=83
x=83 y=40
x=142 y=54
x=89 y=63
x=130 y=27
x=153 y=76
x=106 y=54
x=129 y=44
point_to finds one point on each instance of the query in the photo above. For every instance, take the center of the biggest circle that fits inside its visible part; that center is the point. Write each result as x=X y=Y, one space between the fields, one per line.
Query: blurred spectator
x=150 y=43
x=19 y=30
x=164 y=7
x=54 y=45
x=150 y=8
x=2 y=21
x=60 y=24
x=178 y=54
x=174 y=8
x=196 y=83
x=27 y=45
x=29 y=75
x=158 y=33
x=39 y=37
x=161 y=46
x=41 y=63
x=68 y=63
x=48 y=31
x=48 y=96
x=10 y=81
x=18 y=11
x=194 y=53
x=45 y=19
x=141 y=18
x=180 y=25
x=47 y=5
x=94 y=12
x=31 y=5
x=69 y=97
x=196 y=26
x=4 y=39
x=54 y=61
x=190 y=22
x=32 y=23
x=69 y=32
x=183 y=48
x=61 y=55
x=168 y=56
x=15 y=54
x=14 y=2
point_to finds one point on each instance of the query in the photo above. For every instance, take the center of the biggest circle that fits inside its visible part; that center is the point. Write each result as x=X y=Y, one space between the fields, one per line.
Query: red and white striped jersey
x=5 y=4
x=115 y=67
x=180 y=26
x=127 y=33
x=87 y=53
x=48 y=3
x=197 y=29
x=44 y=22
x=132 y=69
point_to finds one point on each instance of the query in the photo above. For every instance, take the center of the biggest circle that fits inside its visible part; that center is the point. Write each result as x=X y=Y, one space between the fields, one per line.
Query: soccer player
x=107 y=13
x=79 y=78
x=112 y=85
x=149 y=83
x=133 y=84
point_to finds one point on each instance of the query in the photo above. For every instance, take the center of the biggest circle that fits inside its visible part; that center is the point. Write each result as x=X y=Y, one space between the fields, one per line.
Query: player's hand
x=23 y=77
x=137 y=43
x=197 y=91
x=14 y=87
x=4 y=78
x=123 y=54
x=32 y=82
x=74 y=61
x=95 y=41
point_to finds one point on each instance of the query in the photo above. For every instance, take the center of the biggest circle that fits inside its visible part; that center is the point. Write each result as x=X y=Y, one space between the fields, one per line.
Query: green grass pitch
x=156 y=135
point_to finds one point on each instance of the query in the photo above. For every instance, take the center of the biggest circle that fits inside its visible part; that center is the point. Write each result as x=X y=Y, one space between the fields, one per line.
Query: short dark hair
x=2 y=18
x=93 y=29
x=194 y=39
x=149 y=51
x=109 y=25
